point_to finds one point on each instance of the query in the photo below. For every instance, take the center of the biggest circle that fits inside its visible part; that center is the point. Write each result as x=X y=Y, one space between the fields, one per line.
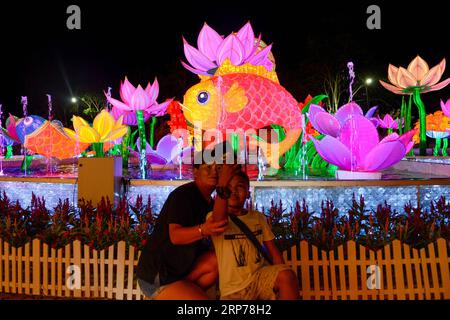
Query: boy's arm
x=273 y=251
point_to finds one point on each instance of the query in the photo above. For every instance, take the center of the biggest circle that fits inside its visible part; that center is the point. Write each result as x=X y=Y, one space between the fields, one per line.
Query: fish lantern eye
x=203 y=97
x=27 y=121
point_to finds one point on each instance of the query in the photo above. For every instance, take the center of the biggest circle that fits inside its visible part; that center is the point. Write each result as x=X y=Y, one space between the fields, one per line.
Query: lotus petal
x=154 y=158
x=360 y=136
x=129 y=117
x=256 y=46
x=391 y=137
x=405 y=79
x=118 y=104
x=407 y=136
x=160 y=109
x=166 y=146
x=333 y=151
x=103 y=123
x=347 y=110
x=432 y=77
x=153 y=90
x=231 y=48
x=196 y=71
x=388 y=122
x=126 y=91
x=88 y=134
x=446 y=107
x=375 y=121
x=72 y=134
x=208 y=42
x=383 y=156
x=261 y=57
x=391 y=88
x=78 y=122
x=418 y=68
x=197 y=59
x=370 y=112
x=268 y=64
x=325 y=123
x=247 y=38
x=116 y=134
x=409 y=146
x=392 y=74
x=314 y=109
x=440 y=85
x=140 y=100
x=118 y=123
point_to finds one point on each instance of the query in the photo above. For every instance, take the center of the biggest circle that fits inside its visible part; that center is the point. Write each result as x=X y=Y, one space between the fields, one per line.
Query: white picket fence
x=77 y=271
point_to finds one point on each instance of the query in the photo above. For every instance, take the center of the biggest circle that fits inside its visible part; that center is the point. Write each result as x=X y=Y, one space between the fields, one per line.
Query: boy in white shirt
x=244 y=274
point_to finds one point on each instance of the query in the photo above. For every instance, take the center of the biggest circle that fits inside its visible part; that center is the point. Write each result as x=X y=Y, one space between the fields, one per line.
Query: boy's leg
x=182 y=290
x=275 y=282
x=205 y=271
x=286 y=285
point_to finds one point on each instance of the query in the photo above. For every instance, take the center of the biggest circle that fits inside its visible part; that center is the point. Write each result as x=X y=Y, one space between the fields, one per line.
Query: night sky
x=39 y=55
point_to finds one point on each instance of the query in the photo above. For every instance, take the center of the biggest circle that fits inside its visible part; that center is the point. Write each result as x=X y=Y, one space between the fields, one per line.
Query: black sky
x=143 y=39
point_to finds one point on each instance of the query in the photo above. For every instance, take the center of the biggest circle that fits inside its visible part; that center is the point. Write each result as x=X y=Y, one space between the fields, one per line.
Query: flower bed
x=103 y=225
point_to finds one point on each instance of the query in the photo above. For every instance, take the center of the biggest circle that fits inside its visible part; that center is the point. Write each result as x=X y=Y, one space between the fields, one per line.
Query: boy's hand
x=214 y=228
x=226 y=172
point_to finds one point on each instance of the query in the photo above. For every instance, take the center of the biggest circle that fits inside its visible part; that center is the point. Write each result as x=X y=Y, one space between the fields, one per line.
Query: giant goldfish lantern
x=242 y=93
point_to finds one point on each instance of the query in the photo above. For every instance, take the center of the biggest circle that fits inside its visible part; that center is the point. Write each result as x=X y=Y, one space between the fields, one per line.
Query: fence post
x=120 y=279
x=77 y=263
x=444 y=261
x=36 y=258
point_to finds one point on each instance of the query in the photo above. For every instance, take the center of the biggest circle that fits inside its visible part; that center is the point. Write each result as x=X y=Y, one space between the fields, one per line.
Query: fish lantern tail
x=273 y=151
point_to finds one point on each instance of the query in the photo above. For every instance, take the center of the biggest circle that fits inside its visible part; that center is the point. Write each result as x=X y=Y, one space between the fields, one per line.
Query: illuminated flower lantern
x=438 y=125
x=329 y=124
x=239 y=48
x=104 y=129
x=416 y=79
x=446 y=108
x=388 y=123
x=352 y=143
x=239 y=90
x=169 y=150
x=143 y=104
x=47 y=138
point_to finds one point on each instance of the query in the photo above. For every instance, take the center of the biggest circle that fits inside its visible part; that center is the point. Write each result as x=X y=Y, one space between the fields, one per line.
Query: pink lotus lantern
x=143 y=104
x=418 y=78
x=446 y=108
x=213 y=50
x=352 y=143
x=134 y=99
x=331 y=125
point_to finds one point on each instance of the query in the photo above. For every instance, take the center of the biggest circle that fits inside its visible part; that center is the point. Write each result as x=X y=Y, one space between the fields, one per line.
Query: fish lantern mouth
x=28 y=121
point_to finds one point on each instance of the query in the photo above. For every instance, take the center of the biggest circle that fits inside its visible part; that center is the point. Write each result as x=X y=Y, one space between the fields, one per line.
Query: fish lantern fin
x=227 y=67
x=235 y=99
